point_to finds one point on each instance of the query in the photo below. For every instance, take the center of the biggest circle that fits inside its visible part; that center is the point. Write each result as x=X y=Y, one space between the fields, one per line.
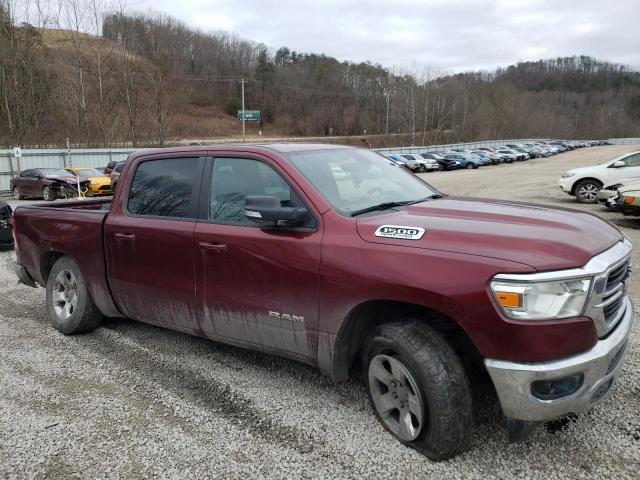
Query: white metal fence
x=61 y=158
x=52 y=158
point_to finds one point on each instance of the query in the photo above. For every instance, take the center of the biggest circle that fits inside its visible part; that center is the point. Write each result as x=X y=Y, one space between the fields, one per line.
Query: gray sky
x=455 y=35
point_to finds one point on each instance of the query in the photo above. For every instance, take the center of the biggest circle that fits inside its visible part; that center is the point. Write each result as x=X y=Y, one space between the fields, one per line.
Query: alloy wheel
x=396 y=397
x=65 y=294
x=588 y=192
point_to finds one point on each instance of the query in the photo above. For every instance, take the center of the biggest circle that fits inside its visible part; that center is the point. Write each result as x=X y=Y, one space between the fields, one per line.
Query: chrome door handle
x=214 y=247
x=125 y=236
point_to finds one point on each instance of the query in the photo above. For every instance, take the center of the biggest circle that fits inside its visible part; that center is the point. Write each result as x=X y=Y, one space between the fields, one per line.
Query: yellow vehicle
x=99 y=183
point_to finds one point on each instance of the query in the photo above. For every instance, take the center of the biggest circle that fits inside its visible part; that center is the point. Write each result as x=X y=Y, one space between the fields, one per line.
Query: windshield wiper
x=379 y=206
x=430 y=197
x=388 y=205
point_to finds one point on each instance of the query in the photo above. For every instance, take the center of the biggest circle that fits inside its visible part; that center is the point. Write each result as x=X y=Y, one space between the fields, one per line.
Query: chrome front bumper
x=599 y=366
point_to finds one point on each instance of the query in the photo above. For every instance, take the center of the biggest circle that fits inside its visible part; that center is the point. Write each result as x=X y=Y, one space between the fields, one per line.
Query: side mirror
x=265 y=210
x=618 y=164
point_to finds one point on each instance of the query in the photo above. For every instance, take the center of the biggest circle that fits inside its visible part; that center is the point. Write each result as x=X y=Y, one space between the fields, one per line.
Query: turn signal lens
x=628 y=200
x=509 y=299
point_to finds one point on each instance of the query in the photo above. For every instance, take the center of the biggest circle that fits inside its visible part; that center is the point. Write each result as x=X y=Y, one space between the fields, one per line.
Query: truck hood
x=539 y=236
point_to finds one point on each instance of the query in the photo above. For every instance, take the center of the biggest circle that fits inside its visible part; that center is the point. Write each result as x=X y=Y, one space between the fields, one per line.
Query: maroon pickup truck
x=336 y=257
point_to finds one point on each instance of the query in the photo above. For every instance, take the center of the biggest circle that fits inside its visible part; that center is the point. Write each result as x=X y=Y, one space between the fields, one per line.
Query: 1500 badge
x=397 y=231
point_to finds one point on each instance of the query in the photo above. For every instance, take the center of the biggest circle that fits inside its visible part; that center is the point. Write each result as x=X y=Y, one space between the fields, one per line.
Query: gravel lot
x=131 y=400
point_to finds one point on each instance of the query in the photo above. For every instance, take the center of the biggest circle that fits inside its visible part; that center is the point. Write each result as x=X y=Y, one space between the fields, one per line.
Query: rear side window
x=163 y=188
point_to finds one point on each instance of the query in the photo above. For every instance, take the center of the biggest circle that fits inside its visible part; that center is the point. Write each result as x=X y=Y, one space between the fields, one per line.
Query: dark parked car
x=47 y=183
x=445 y=163
x=110 y=167
x=6 y=219
x=115 y=175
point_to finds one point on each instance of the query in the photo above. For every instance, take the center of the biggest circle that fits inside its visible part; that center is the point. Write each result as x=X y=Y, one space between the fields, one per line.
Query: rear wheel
x=418 y=388
x=47 y=194
x=587 y=191
x=70 y=308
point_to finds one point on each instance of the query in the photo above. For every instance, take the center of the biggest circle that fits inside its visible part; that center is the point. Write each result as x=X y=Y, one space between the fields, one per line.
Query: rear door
x=256 y=286
x=149 y=239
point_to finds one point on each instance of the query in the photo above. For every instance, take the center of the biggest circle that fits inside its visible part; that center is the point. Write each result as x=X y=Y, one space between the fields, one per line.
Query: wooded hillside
x=108 y=78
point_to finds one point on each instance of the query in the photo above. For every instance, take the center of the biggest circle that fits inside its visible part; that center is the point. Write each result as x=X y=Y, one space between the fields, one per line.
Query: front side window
x=236 y=178
x=352 y=179
x=633 y=160
x=163 y=187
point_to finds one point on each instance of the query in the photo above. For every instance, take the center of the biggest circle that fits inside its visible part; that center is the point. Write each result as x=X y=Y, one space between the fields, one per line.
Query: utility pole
x=386 y=129
x=242 y=83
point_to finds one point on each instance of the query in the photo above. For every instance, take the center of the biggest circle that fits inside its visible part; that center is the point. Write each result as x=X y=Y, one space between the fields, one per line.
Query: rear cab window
x=165 y=187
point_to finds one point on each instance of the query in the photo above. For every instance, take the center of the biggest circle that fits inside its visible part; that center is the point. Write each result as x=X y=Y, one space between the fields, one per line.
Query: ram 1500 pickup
x=370 y=272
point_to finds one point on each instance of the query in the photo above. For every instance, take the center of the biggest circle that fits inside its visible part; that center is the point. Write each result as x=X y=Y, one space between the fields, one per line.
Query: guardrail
x=61 y=158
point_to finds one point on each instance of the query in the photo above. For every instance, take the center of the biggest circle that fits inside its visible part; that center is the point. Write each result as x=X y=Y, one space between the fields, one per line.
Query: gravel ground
x=131 y=400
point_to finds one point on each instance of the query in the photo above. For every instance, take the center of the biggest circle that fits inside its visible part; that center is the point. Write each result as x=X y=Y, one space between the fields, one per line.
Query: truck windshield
x=362 y=180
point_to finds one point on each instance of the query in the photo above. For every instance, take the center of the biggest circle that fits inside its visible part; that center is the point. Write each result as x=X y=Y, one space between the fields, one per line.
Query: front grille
x=615 y=288
x=617 y=275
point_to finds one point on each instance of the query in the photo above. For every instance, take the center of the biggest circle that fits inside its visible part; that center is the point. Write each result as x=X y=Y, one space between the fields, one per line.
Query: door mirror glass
x=266 y=211
x=618 y=164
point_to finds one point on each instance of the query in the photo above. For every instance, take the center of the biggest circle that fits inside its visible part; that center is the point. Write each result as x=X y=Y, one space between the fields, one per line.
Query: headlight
x=568 y=175
x=542 y=300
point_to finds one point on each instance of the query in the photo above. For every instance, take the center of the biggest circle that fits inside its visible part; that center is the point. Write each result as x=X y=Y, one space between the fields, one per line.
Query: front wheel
x=418 y=388
x=16 y=194
x=70 y=307
x=587 y=191
x=470 y=166
x=48 y=194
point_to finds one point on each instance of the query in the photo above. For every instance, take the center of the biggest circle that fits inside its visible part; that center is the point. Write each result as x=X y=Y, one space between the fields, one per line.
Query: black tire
x=16 y=194
x=48 y=194
x=84 y=316
x=586 y=191
x=470 y=166
x=422 y=169
x=443 y=386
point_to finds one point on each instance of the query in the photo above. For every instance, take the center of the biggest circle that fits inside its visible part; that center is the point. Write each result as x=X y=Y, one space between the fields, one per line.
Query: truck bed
x=47 y=231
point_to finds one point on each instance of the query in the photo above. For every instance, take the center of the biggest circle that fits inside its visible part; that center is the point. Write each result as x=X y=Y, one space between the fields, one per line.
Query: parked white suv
x=585 y=182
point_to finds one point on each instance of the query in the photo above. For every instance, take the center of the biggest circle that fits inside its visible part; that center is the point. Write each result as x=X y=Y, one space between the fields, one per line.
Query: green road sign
x=249 y=115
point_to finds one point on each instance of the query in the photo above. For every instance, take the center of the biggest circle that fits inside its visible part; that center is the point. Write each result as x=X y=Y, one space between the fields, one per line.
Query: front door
x=630 y=170
x=256 y=287
x=150 y=243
